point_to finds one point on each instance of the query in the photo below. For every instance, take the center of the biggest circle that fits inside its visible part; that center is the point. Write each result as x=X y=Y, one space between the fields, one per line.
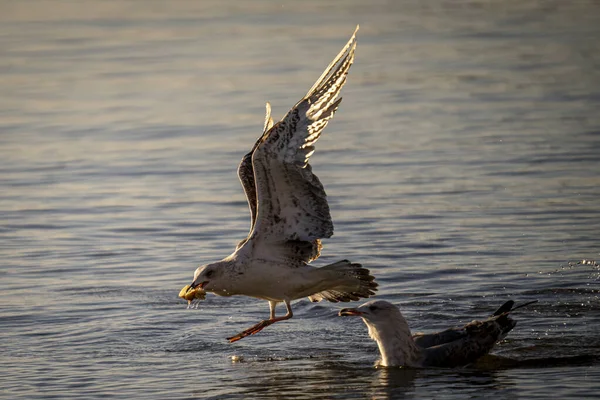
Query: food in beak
x=192 y=294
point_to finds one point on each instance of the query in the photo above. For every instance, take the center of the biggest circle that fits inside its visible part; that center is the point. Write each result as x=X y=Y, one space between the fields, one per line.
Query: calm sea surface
x=463 y=169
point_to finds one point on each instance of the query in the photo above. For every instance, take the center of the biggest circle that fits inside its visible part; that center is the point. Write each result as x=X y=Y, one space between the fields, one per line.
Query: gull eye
x=209 y=273
x=372 y=308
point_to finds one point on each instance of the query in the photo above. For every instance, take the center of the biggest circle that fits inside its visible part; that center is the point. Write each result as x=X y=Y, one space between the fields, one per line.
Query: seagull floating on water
x=453 y=347
x=289 y=214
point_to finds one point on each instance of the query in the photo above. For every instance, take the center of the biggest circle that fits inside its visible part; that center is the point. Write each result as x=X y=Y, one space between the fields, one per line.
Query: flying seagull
x=289 y=213
x=452 y=347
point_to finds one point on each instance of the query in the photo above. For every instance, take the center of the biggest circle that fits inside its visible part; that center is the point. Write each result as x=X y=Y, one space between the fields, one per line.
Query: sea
x=462 y=168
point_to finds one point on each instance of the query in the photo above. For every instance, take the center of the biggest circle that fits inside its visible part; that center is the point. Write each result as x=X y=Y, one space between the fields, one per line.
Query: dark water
x=463 y=168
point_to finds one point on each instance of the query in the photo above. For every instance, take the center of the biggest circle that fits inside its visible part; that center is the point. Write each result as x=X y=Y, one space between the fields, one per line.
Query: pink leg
x=264 y=323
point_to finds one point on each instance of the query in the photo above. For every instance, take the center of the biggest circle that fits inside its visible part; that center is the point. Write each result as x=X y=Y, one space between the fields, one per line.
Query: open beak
x=194 y=285
x=350 y=312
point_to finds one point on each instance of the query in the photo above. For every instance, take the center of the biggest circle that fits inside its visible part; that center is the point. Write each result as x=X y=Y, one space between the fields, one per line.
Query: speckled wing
x=452 y=334
x=478 y=339
x=246 y=173
x=292 y=211
x=426 y=340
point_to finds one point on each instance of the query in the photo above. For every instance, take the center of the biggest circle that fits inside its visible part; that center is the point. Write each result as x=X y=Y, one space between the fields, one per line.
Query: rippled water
x=462 y=168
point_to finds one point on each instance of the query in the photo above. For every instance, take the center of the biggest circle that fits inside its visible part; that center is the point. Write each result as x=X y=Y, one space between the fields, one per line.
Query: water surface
x=462 y=168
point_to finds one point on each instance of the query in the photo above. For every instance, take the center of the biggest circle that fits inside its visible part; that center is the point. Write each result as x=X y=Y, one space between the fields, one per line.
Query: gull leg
x=264 y=323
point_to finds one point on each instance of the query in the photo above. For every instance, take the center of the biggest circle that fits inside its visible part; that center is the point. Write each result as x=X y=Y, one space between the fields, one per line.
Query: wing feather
x=291 y=203
x=246 y=173
x=475 y=340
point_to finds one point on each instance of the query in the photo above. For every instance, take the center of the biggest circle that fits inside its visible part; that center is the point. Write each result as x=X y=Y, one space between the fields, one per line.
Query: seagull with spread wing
x=289 y=213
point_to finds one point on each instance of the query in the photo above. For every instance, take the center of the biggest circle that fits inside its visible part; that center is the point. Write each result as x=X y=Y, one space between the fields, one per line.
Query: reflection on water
x=394 y=383
x=461 y=169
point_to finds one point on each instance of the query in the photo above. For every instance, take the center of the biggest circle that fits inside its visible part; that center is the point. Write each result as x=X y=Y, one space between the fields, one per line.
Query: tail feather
x=354 y=282
x=509 y=306
x=502 y=316
x=504 y=308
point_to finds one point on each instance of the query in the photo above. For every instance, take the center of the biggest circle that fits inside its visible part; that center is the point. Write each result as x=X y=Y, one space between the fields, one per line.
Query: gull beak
x=350 y=312
x=191 y=287
x=195 y=285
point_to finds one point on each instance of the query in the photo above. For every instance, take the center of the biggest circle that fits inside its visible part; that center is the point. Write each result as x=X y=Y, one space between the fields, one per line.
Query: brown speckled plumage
x=289 y=213
x=454 y=347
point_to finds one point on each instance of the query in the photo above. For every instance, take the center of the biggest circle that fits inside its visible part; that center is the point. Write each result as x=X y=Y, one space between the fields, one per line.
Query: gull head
x=389 y=329
x=209 y=278
x=375 y=312
x=381 y=317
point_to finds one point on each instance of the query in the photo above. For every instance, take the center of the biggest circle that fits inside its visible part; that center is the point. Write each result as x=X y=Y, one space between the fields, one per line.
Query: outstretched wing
x=291 y=212
x=246 y=173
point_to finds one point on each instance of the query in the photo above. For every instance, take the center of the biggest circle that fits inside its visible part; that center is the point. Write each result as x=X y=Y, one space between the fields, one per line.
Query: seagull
x=289 y=214
x=453 y=347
